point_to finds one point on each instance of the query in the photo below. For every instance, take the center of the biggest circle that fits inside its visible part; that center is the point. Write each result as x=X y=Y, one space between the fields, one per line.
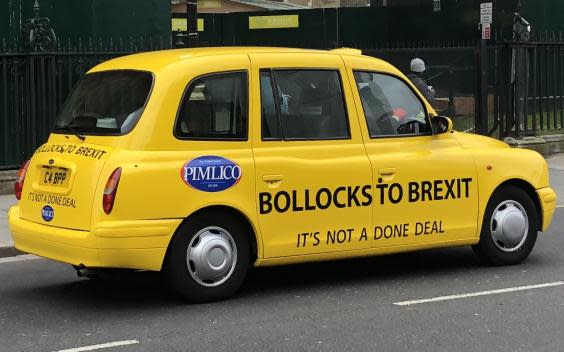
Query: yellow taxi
x=204 y=162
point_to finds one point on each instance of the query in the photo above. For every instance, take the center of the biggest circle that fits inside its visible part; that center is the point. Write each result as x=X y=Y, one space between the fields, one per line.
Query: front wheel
x=209 y=257
x=509 y=228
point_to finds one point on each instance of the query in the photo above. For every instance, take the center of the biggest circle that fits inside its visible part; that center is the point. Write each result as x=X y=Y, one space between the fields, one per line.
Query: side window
x=390 y=106
x=271 y=128
x=303 y=105
x=214 y=107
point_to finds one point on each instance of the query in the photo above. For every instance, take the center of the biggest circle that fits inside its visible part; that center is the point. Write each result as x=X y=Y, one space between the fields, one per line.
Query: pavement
x=7 y=179
x=6 y=243
x=556 y=169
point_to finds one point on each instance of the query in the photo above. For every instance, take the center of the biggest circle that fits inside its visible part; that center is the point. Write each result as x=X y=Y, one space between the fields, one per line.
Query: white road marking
x=18 y=258
x=560 y=206
x=481 y=293
x=101 y=346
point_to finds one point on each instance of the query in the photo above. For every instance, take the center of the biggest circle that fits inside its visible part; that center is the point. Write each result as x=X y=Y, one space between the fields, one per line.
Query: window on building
x=303 y=105
x=214 y=107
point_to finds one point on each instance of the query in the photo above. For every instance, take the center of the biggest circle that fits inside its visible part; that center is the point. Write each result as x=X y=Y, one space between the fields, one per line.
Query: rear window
x=105 y=103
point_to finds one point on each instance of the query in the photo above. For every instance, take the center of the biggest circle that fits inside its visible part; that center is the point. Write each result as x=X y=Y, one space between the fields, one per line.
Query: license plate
x=54 y=177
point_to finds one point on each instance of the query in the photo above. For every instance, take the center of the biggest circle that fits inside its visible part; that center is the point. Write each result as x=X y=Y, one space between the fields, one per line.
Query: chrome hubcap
x=509 y=226
x=211 y=256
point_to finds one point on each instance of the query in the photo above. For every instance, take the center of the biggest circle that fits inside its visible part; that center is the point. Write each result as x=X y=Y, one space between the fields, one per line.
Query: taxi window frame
x=283 y=138
x=426 y=112
x=112 y=134
x=246 y=108
x=276 y=106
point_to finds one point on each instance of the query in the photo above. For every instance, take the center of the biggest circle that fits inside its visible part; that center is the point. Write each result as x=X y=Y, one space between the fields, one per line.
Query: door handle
x=272 y=178
x=387 y=171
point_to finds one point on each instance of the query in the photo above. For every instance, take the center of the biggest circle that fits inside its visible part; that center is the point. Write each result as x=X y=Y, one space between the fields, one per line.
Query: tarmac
x=555 y=164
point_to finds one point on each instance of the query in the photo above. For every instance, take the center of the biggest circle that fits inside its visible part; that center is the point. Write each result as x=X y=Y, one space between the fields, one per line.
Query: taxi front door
x=425 y=186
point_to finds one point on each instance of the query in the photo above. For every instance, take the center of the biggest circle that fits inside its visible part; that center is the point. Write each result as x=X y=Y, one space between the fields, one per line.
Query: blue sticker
x=47 y=213
x=211 y=173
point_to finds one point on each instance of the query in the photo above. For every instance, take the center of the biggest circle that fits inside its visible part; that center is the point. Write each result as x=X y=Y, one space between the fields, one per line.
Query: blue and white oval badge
x=47 y=213
x=211 y=173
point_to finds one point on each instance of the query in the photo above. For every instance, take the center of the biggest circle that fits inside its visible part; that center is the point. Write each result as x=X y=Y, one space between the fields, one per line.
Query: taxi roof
x=157 y=60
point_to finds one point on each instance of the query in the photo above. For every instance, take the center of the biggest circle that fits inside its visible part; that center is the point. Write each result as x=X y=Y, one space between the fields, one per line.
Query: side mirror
x=441 y=124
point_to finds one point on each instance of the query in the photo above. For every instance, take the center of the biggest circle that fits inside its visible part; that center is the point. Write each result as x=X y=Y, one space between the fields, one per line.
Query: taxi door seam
x=251 y=122
x=354 y=92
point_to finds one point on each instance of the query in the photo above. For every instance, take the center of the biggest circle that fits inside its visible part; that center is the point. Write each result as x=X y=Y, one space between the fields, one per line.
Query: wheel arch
x=252 y=233
x=527 y=187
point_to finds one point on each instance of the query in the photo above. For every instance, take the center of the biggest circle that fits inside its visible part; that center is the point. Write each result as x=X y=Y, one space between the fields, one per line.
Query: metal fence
x=33 y=86
x=451 y=70
x=529 y=90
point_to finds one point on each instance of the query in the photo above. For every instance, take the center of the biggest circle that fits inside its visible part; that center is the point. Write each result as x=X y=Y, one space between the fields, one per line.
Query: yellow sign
x=268 y=22
x=209 y=4
x=181 y=24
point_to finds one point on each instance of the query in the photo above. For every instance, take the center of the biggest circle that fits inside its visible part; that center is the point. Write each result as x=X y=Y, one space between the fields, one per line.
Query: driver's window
x=390 y=106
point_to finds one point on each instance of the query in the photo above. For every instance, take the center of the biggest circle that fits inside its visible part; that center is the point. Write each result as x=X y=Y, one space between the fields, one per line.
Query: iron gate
x=529 y=89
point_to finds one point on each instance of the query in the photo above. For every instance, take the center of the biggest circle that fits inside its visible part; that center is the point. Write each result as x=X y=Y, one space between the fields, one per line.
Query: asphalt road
x=336 y=306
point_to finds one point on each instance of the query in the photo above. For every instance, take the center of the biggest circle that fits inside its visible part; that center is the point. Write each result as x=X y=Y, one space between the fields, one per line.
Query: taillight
x=111 y=190
x=20 y=180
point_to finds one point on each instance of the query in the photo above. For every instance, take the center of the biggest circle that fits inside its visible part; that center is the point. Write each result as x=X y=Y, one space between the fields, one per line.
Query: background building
x=228 y=6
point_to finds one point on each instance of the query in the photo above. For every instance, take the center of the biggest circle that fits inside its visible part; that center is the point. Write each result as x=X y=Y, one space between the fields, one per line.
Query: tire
x=510 y=227
x=217 y=244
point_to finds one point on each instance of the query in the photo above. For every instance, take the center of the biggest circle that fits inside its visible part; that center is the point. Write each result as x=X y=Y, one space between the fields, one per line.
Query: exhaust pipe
x=83 y=271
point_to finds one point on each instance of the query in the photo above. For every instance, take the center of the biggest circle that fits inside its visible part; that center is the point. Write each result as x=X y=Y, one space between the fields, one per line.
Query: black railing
x=529 y=91
x=33 y=86
x=450 y=70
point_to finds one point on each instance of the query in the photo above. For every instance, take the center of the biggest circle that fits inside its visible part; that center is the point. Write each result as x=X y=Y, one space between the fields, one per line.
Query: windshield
x=105 y=103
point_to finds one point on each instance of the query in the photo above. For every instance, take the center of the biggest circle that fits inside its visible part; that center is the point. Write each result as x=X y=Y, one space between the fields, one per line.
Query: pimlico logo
x=47 y=213
x=211 y=173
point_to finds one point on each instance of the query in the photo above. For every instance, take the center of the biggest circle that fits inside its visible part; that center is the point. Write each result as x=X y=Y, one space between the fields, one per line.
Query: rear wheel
x=510 y=227
x=209 y=257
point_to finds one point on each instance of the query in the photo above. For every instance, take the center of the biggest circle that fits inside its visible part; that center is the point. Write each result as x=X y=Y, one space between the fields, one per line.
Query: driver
x=382 y=119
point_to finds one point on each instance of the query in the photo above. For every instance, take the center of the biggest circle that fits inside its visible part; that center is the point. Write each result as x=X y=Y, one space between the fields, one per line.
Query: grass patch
x=467 y=123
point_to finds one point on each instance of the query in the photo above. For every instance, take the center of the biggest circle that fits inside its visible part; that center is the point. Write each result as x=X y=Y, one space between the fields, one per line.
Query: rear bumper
x=547 y=198
x=116 y=244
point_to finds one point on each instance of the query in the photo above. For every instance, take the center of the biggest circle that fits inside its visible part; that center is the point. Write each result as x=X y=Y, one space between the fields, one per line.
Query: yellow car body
x=376 y=195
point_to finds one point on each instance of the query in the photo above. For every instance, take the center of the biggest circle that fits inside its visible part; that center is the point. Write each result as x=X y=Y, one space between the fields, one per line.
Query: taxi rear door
x=426 y=187
x=312 y=173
